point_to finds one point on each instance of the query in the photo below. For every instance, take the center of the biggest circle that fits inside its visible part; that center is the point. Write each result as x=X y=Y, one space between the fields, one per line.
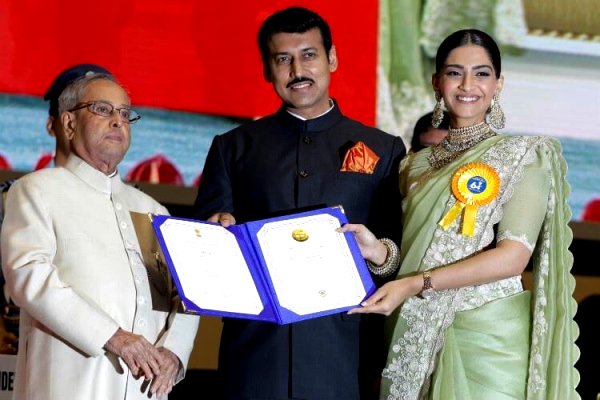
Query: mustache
x=299 y=79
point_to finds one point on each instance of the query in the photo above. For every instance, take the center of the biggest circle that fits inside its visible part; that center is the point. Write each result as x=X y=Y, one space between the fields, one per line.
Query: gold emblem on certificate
x=300 y=235
x=474 y=184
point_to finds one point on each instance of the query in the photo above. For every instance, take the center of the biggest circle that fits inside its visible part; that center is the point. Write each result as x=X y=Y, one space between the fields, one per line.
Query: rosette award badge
x=473 y=185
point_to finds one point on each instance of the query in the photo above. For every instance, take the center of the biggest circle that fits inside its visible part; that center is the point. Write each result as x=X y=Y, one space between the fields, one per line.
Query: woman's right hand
x=370 y=248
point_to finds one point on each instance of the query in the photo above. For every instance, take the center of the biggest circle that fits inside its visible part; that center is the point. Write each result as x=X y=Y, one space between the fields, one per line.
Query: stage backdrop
x=189 y=55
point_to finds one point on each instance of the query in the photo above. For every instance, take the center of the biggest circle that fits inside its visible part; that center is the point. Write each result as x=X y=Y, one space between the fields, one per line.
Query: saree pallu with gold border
x=490 y=341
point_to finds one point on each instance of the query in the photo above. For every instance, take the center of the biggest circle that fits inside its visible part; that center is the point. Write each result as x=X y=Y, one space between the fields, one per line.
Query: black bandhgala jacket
x=281 y=163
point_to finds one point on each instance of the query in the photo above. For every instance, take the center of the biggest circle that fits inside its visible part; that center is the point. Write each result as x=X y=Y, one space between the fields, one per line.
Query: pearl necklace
x=457 y=142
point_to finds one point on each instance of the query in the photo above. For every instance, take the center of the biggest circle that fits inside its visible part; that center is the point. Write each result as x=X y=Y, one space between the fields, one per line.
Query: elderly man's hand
x=140 y=355
x=169 y=367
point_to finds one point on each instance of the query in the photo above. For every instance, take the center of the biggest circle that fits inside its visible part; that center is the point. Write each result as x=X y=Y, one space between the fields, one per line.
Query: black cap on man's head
x=64 y=79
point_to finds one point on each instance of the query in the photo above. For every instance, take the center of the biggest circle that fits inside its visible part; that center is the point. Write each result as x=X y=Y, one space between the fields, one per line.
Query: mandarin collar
x=93 y=177
x=318 y=124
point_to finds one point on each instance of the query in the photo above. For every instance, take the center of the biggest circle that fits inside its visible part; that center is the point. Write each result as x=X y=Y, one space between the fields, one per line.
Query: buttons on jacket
x=307 y=140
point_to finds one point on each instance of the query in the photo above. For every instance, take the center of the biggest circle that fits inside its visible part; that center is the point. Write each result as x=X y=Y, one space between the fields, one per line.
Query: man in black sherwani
x=307 y=154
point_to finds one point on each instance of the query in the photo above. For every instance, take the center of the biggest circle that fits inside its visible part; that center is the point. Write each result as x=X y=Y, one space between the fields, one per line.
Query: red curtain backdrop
x=192 y=55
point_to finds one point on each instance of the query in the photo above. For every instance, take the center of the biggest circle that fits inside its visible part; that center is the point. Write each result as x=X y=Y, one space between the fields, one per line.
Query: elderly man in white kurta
x=89 y=328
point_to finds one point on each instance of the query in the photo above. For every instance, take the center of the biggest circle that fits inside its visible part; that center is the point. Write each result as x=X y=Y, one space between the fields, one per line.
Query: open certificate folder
x=283 y=269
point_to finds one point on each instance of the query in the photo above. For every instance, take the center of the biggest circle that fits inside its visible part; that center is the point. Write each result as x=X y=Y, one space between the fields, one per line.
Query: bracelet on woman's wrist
x=391 y=263
x=427 y=284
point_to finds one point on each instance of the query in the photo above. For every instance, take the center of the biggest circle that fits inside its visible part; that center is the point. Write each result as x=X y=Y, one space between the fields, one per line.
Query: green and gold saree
x=491 y=341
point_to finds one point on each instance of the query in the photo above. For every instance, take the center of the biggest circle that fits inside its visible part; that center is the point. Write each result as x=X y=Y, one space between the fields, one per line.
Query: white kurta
x=73 y=264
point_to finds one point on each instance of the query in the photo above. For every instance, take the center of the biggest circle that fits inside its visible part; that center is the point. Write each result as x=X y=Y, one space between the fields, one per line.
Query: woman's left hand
x=388 y=297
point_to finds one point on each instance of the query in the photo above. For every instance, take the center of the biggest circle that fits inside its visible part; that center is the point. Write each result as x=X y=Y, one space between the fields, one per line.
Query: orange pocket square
x=360 y=158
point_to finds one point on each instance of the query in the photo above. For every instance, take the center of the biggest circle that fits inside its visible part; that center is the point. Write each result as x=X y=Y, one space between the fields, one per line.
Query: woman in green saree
x=478 y=208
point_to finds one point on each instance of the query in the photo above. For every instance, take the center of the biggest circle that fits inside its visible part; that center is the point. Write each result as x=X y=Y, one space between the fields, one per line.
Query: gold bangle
x=391 y=263
x=427 y=285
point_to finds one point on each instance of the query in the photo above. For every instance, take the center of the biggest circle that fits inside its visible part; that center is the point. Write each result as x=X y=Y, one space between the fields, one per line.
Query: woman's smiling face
x=467 y=84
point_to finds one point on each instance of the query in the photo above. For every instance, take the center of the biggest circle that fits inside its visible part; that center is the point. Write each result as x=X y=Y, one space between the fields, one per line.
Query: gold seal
x=300 y=235
x=474 y=184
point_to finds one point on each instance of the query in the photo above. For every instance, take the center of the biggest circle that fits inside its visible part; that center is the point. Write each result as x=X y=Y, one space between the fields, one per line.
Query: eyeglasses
x=105 y=109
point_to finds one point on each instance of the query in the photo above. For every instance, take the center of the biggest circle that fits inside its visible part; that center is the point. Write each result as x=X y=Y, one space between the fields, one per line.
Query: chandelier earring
x=438 y=111
x=496 y=116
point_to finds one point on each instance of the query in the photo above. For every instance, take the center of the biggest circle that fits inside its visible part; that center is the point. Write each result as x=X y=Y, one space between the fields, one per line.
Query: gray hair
x=73 y=93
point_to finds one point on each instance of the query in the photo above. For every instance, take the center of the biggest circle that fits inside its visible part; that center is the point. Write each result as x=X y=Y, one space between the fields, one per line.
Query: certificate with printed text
x=282 y=269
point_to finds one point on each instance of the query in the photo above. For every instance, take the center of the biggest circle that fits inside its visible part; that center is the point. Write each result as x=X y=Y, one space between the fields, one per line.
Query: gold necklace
x=457 y=142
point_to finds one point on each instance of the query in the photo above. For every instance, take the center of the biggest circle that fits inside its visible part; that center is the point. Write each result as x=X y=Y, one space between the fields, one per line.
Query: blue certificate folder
x=283 y=269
